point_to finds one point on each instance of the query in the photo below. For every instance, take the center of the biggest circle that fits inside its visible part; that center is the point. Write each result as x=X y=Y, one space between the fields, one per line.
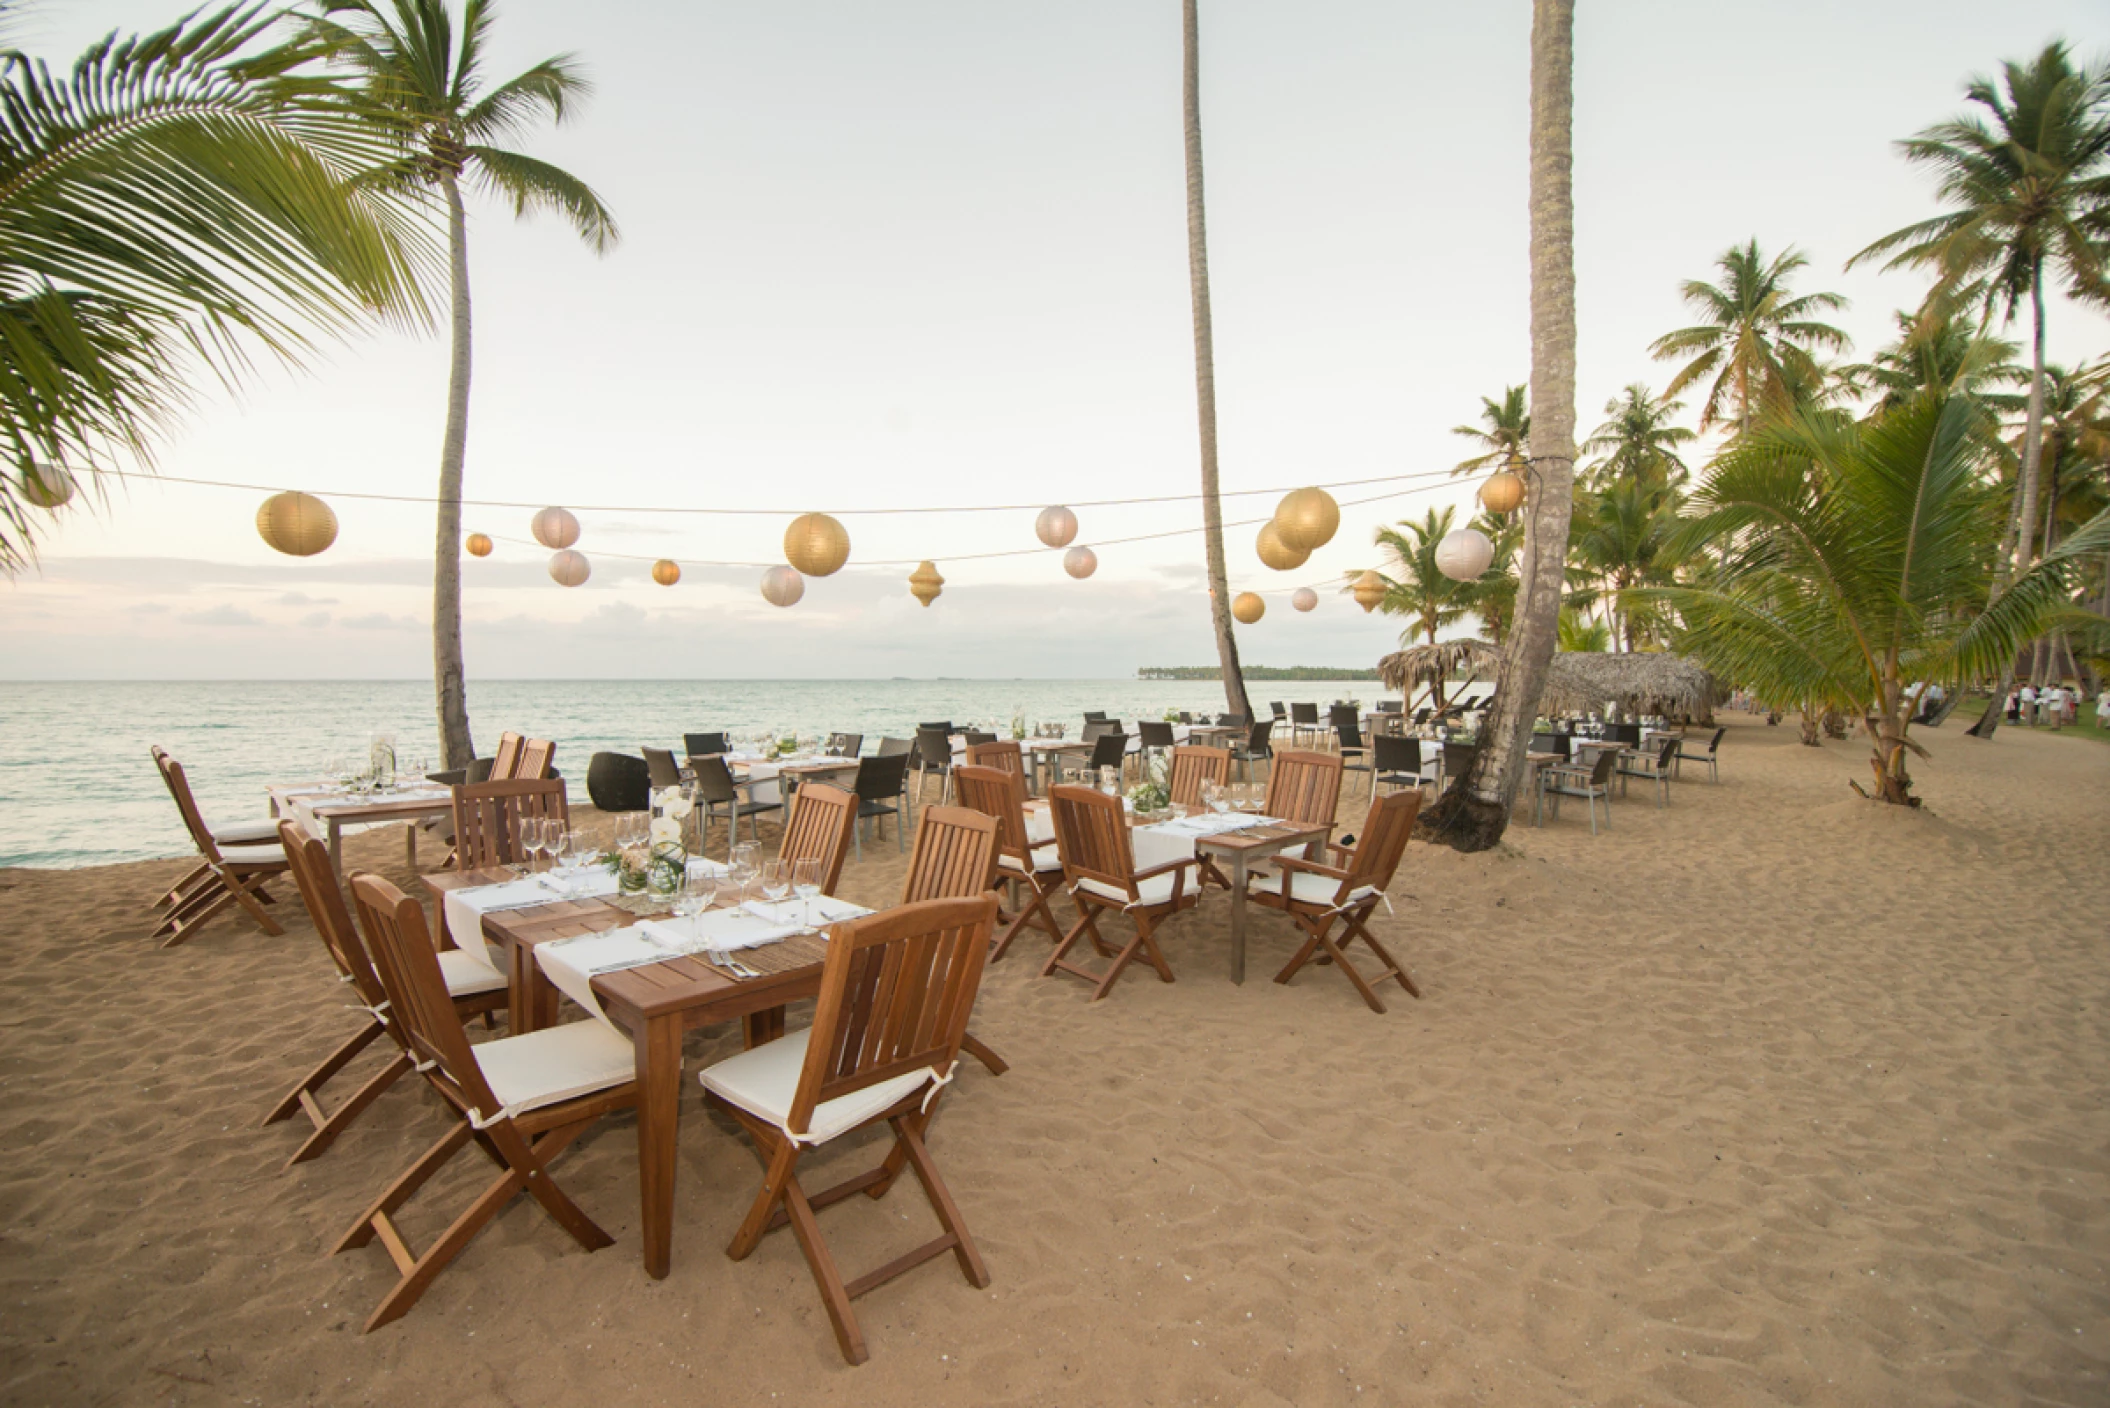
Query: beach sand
x=1771 y=1096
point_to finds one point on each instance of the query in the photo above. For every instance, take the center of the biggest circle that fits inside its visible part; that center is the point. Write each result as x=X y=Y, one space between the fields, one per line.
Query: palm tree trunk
x=1205 y=371
x=1474 y=813
x=456 y=751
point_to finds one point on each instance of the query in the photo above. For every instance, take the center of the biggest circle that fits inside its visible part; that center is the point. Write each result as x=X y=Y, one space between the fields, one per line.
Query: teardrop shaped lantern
x=1305 y=599
x=1502 y=494
x=555 y=528
x=1080 y=562
x=1464 y=554
x=477 y=544
x=1275 y=553
x=924 y=583
x=783 y=586
x=1056 y=526
x=1248 y=607
x=1369 y=591
x=297 y=524
x=47 y=486
x=569 y=568
x=816 y=545
x=666 y=571
x=1307 y=519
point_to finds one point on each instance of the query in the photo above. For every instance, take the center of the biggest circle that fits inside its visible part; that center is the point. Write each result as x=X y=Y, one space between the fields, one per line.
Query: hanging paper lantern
x=816 y=544
x=297 y=524
x=666 y=571
x=1502 y=493
x=1369 y=591
x=47 y=486
x=478 y=545
x=1248 y=607
x=1274 y=552
x=782 y=586
x=1305 y=599
x=1056 y=526
x=568 y=568
x=1464 y=554
x=1080 y=562
x=1307 y=519
x=555 y=528
x=924 y=583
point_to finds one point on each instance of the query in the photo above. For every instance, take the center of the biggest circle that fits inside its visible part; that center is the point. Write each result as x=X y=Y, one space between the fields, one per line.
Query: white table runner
x=464 y=910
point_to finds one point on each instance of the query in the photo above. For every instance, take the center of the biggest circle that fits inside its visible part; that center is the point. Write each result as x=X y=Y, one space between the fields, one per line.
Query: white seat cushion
x=467 y=974
x=240 y=833
x=764 y=1080
x=1155 y=891
x=1307 y=888
x=1045 y=859
x=273 y=854
x=541 y=1068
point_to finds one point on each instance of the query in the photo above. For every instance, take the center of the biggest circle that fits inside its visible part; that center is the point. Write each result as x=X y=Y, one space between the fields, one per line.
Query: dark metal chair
x=1256 y=747
x=1711 y=756
x=1303 y=719
x=1593 y=784
x=882 y=791
x=895 y=747
x=715 y=789
x=700 y=745
x=1397 y=762
x=1156 y=738
x=660 y=764
x=1109 y=750
x=1354 y=756
x=934 y=755
x=845 y=745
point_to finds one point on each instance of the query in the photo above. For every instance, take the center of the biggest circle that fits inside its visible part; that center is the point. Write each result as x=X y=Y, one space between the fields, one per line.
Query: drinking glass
x=553 y=833
x=776 y=881
x=699 y=889
x=1110 y=781
x=530 y=842
x=1213 y=796
x=806 y=881
x=743 y=867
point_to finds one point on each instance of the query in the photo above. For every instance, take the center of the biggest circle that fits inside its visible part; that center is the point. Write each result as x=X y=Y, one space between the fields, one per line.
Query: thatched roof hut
x=1406 y=670
x=1577 y=682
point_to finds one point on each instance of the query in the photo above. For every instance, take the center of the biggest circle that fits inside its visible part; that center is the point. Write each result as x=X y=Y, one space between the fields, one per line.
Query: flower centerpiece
x=1153 y=794
x=1018 y=724
x=666 y=859
x=787 y=745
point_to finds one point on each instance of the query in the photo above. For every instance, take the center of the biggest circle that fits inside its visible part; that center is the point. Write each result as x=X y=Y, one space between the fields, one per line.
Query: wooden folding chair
x=1099 y=863
x=226 y=874
x=819 y=829
x=471 y=983
x=1003 y=755
x=895 y=995
x=261 y=831
x=1316 y=896
x=1037 y=869
x=506 y=761
x=521 y=1099
x=487 y=817
x=537 y=757
x=955 y=857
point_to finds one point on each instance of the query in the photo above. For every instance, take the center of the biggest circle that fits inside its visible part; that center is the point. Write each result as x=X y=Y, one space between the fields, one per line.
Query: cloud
x=381 y=621
x=222 y=616
x=147 y=608
x=315 y=620
x=303 y=599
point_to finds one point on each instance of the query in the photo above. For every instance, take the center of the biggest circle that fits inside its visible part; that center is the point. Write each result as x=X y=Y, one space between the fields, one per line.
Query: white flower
x=666 y=829
x=676 y=805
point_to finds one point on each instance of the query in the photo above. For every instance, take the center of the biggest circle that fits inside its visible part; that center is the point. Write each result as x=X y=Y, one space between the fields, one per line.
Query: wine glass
x=699 y=890
x=530 y=841
x=806 y=881
x=553 y=833
x=1213 y=795
x=776 y=881
x=742 y=868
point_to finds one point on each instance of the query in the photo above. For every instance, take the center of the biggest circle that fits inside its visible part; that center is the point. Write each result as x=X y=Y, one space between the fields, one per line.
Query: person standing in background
x=2029 y=705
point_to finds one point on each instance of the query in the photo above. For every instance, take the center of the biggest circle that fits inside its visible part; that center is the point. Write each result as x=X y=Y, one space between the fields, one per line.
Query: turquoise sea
x=77 y=786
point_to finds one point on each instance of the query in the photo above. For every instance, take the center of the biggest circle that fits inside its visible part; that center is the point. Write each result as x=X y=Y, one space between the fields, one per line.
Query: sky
x=905 y=253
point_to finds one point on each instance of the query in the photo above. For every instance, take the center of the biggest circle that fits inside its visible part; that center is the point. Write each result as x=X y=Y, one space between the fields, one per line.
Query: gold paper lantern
x=1369 y=591
x=1307 y=519
x=782 y=586
x=1502 y=493
x=816 y=545
x=666 y=571
x=568 y=568
x=924 y=583
x=1274 y=552
x=555 y=528
x=47 y=486
x=297 y=524
x=1248 y=607
x=1056 y=526
x=478 y=545
x=1080 y=562
x=1305 y=599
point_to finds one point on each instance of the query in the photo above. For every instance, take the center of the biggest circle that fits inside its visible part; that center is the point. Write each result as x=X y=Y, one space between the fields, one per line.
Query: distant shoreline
x=1254 y=672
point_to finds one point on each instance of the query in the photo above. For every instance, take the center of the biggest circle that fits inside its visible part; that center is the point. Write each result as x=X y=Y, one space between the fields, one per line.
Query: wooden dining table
x=333 y=816
x=656 y=1004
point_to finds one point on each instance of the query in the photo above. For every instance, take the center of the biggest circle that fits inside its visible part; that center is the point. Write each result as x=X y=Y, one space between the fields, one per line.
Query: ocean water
x=77 y=786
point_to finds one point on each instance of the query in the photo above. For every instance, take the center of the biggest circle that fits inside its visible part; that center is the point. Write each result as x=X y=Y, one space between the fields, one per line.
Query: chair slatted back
x=487 y=817
x=316 y=879
x=1091 y=832
x=660 y=765
x=1384 y=841
x=896 y=991
x=1109 y=750
x=409 y=968
x=537 y=756
x=1395 y=754
x=193 y=822
x=507 y=758
x=955 y=855
x=1191 y=767
x=1001 y=796
x=1004 y=756
x=819 y=829
x=879 y=779
x=1304 y=787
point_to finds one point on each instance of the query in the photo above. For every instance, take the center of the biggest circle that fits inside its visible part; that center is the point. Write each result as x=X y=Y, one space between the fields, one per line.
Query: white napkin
x=720 y=931
x=570 y=964
x=826 y=910
x=465 y=910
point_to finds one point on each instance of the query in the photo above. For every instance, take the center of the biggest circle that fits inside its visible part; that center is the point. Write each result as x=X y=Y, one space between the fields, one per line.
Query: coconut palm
x=1205 y=369
x=425 y=81
x=1860 y=564
x=1582 y=635
x=1638 y=444
x=1414 y=586
x=1503 y=434
x=1758 y=344
x=174 y=203
x=1622 y=538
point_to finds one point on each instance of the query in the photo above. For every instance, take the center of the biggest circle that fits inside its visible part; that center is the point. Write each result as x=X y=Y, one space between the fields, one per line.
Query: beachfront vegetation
x=1503 y=435
x=1758 y=345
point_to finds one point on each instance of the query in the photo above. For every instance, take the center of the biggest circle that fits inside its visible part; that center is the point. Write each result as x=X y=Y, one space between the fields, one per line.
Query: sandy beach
x=1769 y=1097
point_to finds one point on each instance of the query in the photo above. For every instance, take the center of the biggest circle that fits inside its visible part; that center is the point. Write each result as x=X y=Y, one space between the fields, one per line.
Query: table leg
x=658 y=1047
x=1238 y=874
x=410 y=844
x=337 y=847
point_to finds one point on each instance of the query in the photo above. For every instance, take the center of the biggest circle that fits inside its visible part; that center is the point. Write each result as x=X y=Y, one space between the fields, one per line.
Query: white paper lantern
x=1080 y=562
x=1056 y=526
x=569 y=568
x=1464 y=554
x=555 y=528
x=783 y=586
x=1305 y=599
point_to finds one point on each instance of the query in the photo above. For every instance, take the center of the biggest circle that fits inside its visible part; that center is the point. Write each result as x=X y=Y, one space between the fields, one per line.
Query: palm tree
x=1205 y=369
x=425 y=84
x=1622 y=536
x=1638 y=444
x=1860 y=565
x=1759 y=342
x=2027 y=177
x=1503 y=434
x=176 y=201
x=1582 y=635
x=1414 y=586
